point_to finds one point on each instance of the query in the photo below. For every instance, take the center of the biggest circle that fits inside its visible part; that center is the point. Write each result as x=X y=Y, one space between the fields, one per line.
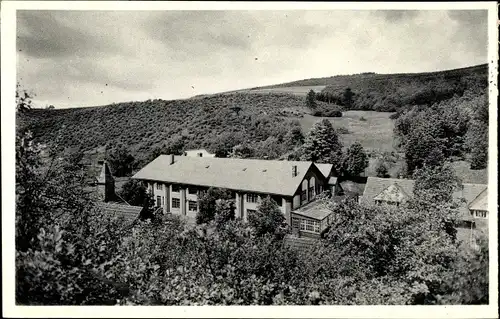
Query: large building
x=175 y=182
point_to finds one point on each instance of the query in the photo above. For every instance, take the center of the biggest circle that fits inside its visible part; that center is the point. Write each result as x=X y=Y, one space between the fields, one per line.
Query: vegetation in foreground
x=70 y=253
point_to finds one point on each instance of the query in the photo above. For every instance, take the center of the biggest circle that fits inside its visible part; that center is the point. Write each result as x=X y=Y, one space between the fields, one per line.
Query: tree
x=242 y=151
x=268 y=219
x=207 y=203
x=355 y=160
x=121 y=161
x=224 y=212
x=436 y=183
x=311 y=100
x=322 y=144
x=63 y=243
x=294 y=137
x=477 y=136
x=134 y=192
x=381 y=169
x=347 y=98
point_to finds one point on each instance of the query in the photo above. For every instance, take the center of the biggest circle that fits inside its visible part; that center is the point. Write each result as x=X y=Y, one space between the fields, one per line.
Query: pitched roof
x=393 y=193
x=480 y=202
x=260 y=176
x=332 y=180
x=316 y=209
x=325 y=169
x=128 y=212
x=473 y=194
x=376 y=185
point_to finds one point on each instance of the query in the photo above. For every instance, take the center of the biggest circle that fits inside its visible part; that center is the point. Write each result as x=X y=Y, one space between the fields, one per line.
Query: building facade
x=176 y=182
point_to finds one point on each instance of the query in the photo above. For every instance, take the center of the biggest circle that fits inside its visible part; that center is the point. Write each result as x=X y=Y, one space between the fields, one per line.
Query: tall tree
x=311 y=100
x=207 y=201
x=322 y=144
x=121 y=160
x=268 y=219
x=347 y=98
x=355 y=160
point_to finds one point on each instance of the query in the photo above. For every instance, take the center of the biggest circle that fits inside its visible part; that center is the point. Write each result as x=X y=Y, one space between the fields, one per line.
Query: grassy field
x=374 y=134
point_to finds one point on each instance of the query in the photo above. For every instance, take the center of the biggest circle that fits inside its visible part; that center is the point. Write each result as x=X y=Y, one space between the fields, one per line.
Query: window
x=295 y=222
x=176 y=203
x=311 y=192
x=176 y=188
x=192 y=190
x=192 y=206
x=303 y=196
x=158 y=201
x=252 y=198
x=310 y=225
x=159 y=186
x=480 y=213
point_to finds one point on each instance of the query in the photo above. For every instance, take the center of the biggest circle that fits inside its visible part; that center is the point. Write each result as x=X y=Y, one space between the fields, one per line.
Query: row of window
x=176 y=203
x=177 y=189
x=306 y=224
x=480 y=213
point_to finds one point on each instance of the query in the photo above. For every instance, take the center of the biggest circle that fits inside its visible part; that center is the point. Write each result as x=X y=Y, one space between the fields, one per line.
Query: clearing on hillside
x=374 y=133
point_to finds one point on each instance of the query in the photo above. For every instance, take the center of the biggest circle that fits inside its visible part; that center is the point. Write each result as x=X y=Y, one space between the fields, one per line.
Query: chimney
x=294 y=170
x=171 y=159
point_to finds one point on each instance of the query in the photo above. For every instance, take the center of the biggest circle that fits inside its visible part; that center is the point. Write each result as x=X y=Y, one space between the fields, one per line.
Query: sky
x=90 y=58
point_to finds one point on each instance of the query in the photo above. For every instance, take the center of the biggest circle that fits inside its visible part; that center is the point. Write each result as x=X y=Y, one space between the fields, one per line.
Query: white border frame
x=8 y=69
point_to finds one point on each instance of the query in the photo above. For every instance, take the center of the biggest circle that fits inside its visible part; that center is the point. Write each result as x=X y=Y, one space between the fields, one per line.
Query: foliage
x=295 y=137
x=224 y=212
x=381 y=169
x=436 y=183
x=391 y=92
x=167 y=126
x=322 y=144
x=477 y=136
x=207 y=203
x=328 y=112
x=122 y=162
x=134 y=192
x=355 y=160
x=432 y=135
x=311 y=100
x=268 y=219
x=63 y=244
x=242 y=151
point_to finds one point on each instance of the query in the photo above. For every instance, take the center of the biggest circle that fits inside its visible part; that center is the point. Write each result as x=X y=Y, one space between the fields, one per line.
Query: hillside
x=391 y=92
x=145 y=126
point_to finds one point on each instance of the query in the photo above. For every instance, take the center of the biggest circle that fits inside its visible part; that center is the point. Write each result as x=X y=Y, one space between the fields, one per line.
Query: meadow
x=372 y=129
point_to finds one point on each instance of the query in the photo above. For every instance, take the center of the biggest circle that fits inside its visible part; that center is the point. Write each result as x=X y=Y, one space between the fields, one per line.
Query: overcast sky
x=88 y=58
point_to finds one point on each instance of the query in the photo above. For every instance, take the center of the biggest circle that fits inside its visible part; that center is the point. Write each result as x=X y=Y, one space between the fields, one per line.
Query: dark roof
x=128 y=212
x=261 y=176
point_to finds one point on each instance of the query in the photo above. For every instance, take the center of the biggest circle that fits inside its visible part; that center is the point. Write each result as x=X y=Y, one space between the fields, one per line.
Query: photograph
x=218 y=154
